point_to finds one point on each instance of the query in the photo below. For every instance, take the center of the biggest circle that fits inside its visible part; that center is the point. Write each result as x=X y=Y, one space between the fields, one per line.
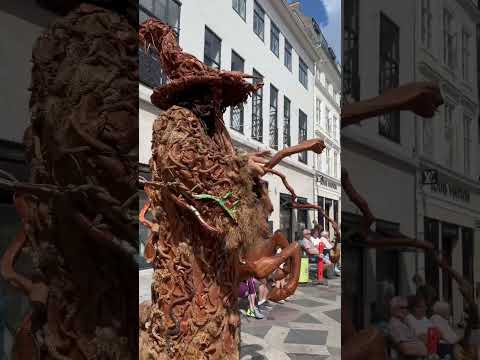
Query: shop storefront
x=449 y=214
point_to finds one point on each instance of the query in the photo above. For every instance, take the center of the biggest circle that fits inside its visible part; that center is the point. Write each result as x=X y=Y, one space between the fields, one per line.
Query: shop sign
x=450 y=190
x=325 y=182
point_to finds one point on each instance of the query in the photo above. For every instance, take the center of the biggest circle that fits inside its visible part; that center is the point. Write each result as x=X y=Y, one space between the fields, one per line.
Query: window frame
x=244 y=16
x=257 y=102
x=303 y=70
x=426 y=23
x=240 y=107
x=351 y=49
x=150 y=57
x=466 y=54
x=273 y=115
x=209 y=30
x=288 y=49
x=467 y=145
x=274 y=35
x=389 y=75
x=287 y=121
x=259 y=15
x=302 y=134
x=449 y=56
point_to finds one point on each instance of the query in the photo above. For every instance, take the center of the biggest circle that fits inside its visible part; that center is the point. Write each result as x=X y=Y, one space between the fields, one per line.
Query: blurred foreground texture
x=79 y=208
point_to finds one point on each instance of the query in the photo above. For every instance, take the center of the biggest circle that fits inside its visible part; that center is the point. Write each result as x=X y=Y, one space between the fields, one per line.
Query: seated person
x=263 y=303
x=448 y=337
x=402 y=336
x=248 y=290
x=307 y=244
x=417 y=319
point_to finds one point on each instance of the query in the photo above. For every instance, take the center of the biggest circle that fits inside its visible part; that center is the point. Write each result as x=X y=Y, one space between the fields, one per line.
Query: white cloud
x=332 y=30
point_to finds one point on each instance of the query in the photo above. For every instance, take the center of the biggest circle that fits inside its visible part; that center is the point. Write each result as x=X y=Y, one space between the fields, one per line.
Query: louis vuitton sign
x=450 y=190
x=325 y=182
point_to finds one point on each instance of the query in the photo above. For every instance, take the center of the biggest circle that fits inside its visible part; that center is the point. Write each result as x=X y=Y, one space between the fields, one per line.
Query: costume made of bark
x=80 y=209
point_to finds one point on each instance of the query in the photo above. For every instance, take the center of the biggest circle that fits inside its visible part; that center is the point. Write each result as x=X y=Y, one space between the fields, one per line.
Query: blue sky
x=327 y=13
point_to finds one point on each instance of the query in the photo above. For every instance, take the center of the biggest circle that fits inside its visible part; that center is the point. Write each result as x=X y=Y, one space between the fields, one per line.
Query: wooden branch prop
x=422 y=98
x=315 y=145
x=336 y=256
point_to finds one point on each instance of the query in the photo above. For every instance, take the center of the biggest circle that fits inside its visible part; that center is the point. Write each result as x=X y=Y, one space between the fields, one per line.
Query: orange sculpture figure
x=210 y=208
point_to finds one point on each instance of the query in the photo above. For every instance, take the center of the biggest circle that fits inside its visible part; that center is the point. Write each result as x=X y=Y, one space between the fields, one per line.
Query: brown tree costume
x=210 y=210
x=79 y=212
x=422 y=99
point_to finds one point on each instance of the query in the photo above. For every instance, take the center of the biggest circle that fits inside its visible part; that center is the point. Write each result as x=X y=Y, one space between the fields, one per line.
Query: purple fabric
x=247 y=287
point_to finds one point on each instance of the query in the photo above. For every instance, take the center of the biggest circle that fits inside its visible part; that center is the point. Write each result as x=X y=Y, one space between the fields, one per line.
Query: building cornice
x=296 y=25
x=447 y=87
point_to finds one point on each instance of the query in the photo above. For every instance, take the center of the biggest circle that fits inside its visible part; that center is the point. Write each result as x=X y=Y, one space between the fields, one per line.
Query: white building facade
x=327 y=191
x=263 y=38
x=449 y=211
x=379 y=154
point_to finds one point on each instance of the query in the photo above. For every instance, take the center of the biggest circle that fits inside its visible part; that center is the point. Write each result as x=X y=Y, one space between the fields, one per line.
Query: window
x=286 y=216
x=150 y=72
x=350 y=76
x=258 y=21
x=236 y=112
x=335 y=165
x=257 y=109
x=327 y=121
x=302 y=134
x=466 y=55
x=448 y=39
x=274 y=39
x=303 y=73
x=426 y=23
x=327 y=161
x=273 y=117
x=286 y=121
x=239 y=6
x=467 y=254
x=389 y=124
x=449 y=134
x=318 y=112
x=288 y=55
x=467 y=144
x=428 y=136
x=335 y=128
x=213 y=46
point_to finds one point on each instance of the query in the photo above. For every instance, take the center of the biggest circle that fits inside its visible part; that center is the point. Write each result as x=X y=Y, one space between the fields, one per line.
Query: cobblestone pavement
x=307 y=327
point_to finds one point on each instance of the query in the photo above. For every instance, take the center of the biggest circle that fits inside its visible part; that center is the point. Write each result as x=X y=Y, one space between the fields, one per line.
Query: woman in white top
x=417 y=319
x=315 y=236
x=441 y=313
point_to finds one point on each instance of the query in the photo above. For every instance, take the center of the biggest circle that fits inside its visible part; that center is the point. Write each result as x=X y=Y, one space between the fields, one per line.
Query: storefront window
x=302 y=219
x=321 y=202
x=467 y=253
x=449 y=238
x=286 y=216
x=431 y=269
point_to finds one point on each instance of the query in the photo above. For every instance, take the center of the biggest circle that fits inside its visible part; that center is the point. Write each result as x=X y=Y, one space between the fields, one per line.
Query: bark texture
x=78 y=210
